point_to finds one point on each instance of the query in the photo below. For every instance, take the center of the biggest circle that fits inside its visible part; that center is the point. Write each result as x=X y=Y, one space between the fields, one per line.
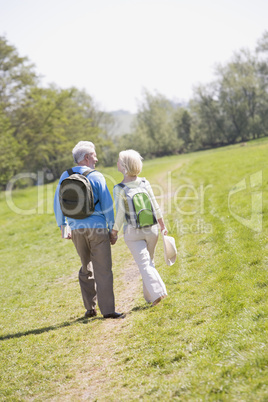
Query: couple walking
x=93 y=235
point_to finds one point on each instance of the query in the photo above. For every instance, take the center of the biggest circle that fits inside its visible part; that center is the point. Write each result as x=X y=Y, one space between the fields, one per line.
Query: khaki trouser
x=142 y=243
x=95 y=276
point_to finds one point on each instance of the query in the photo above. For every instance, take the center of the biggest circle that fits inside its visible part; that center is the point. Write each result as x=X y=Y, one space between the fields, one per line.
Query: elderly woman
x=140 y=241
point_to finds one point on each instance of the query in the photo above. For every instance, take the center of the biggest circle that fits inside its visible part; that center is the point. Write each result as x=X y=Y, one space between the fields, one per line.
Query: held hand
x=164 y=231
x=65 y=234
x=113 y=237
x=113 y=240
x=162 y=226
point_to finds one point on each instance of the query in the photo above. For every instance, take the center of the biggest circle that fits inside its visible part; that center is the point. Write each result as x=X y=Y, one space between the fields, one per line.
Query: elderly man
x=91 y=236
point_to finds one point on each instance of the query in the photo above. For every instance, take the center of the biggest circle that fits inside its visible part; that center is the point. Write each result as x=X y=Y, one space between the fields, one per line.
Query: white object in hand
x=65 y=231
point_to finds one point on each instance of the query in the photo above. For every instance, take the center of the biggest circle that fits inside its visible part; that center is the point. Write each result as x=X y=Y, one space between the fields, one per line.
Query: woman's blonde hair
x=131 y=162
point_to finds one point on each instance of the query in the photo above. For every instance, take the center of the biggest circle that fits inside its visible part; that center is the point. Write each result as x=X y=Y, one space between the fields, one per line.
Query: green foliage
x=262 y=45
x=16 y=76
x=208 y=127
x=183 y=123
x=232 y=108
x=240 y=96
x=40 y=126
x=49 y=124
x=9 y=151
x=155 y=125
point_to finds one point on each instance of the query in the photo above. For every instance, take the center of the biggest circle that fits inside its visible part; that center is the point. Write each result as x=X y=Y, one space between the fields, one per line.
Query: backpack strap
x=143 y=181
x=70 y=172
x=88 y=172
x=85 y=174
x=125 y=188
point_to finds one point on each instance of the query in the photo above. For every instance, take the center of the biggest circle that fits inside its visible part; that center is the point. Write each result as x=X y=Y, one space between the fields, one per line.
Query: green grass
x=206 y=342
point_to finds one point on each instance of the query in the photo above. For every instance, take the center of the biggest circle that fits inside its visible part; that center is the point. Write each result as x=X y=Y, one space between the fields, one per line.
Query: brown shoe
x=158 y=300
x=91 y=313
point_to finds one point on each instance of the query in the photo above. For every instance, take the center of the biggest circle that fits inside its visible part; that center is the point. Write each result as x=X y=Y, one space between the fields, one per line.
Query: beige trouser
x=95 y=276
x=142 y=243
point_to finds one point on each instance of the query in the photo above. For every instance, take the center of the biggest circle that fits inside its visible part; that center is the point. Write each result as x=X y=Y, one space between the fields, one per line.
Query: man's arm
x=60 y=218
x=106 y=202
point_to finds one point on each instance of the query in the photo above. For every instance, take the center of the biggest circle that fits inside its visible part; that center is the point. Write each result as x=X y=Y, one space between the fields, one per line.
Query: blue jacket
x=103 y=216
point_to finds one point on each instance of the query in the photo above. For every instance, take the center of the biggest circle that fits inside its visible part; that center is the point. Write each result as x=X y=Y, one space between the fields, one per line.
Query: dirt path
x=107 y=346
x=96 y=374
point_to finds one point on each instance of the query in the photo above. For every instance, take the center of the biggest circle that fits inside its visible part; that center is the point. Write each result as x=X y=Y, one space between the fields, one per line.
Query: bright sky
x=115 y=48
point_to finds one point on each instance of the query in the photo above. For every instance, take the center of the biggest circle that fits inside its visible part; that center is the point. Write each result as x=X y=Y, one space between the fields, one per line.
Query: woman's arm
x=157 y=209
x=118 y=194
x=162 y=226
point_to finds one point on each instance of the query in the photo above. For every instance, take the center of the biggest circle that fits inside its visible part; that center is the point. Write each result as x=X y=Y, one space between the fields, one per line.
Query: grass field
x=207 y=341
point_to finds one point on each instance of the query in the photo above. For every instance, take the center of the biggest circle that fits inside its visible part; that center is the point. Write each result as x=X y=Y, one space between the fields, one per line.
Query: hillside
x=207 y=341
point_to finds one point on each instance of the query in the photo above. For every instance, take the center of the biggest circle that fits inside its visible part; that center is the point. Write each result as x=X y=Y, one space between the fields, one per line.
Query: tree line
x=40 y=125
x=231 y=109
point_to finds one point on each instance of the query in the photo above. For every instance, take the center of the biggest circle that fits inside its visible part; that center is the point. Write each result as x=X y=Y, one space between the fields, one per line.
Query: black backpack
x=76 y=195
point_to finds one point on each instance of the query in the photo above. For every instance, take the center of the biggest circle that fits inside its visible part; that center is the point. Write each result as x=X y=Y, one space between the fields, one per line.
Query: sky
x=116 y=49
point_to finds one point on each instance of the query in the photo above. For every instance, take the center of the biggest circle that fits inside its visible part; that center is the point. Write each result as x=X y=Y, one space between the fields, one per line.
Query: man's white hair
x=81 y=149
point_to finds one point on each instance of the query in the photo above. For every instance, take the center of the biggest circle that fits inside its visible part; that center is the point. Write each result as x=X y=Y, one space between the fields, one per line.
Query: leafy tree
x=16 y=76
x=233 y=108
x=262 y=44
x=10 y=157
x=94 y=124
x=155 y=124
x=239 y=96
x=209 y=121
x=50 y=122
x=262 y=53
x=41 y=125
x=137 y=140
x=183 y=123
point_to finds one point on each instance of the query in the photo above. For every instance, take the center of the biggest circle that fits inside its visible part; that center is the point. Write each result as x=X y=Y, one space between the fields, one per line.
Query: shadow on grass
x=82 y=320
x=38 y=331
x=143 y=307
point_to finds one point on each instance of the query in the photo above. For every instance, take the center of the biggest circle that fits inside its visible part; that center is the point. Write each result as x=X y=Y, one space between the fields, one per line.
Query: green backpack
x=139 y=212
x=76 y=195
